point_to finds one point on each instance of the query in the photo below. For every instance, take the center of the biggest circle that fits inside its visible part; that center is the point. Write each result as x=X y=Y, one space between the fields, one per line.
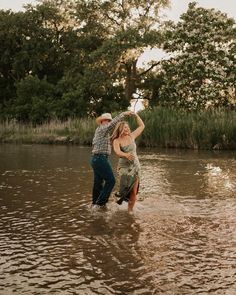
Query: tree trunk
x=131 y=78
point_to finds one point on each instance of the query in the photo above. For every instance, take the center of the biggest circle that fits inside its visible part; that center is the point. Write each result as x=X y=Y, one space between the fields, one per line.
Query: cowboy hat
x=105 y=116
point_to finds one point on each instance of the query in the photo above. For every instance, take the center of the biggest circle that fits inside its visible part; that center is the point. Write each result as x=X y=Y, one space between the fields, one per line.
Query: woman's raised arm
x=140 y=128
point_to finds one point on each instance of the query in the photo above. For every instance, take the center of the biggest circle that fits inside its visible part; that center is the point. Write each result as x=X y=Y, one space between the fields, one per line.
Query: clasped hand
x=129 y=113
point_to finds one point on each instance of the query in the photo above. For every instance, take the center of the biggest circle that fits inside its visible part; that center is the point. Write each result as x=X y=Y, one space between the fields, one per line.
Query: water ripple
x=180 y=240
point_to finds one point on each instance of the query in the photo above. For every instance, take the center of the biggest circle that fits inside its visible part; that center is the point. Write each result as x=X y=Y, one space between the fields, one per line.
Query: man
x=104 y=179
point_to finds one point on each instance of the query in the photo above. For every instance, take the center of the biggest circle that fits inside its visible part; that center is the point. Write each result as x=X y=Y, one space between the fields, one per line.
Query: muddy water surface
x=180 y=240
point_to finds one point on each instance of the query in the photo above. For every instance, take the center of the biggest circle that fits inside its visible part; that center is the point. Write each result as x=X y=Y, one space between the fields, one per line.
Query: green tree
x=201 y=72
x=32 y=43
x=125 y=28
x=34 y=100
x=103 y=74
x=10 y=44
x=86 y=50
x=84 y=89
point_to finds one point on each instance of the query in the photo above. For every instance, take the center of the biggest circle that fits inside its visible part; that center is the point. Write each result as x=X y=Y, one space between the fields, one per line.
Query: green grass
x=164 y=127
x=75 y=131
x=213 y=129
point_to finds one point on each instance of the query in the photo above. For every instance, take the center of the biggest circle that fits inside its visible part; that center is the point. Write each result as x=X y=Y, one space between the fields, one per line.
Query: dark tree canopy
x=61 y=59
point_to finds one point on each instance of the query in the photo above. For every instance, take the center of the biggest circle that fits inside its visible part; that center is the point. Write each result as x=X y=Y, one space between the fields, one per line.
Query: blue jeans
x=104 y=179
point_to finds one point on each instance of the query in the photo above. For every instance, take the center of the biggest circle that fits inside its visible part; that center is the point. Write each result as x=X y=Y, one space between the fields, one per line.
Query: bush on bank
x=164 y=127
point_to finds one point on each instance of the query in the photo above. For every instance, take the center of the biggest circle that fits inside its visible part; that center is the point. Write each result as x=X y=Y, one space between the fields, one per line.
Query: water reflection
x=181 y=239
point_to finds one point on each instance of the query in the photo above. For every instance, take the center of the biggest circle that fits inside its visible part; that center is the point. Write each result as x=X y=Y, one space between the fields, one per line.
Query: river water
x=181 y=238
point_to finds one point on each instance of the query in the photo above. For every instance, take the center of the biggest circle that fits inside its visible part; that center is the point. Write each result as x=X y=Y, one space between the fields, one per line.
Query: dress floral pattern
x=129 y=172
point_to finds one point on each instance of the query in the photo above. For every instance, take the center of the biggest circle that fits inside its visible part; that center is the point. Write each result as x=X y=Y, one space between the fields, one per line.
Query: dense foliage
x=63 y=59
x=201 y=70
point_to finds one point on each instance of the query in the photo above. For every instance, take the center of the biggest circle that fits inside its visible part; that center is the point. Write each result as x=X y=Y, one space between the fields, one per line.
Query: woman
x=128 y=166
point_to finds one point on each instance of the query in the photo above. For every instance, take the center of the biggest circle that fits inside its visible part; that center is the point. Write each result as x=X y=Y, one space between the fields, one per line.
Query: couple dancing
x=115 y=132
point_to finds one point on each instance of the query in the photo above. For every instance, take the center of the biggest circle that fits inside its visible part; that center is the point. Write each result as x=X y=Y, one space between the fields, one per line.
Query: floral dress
x=129 y=172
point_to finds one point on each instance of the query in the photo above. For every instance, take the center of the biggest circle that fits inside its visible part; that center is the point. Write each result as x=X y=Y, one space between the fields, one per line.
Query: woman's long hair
x=118 y=130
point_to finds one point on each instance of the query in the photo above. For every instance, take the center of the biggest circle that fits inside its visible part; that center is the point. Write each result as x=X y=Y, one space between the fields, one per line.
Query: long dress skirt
x=129 y=172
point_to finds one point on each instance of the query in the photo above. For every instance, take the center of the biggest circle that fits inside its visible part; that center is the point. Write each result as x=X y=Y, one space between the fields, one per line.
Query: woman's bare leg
x=133 y=194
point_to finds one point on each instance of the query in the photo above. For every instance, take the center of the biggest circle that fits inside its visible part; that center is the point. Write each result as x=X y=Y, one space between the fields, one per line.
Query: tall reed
x=164 y=127
x=177 y=128
x=77 y=131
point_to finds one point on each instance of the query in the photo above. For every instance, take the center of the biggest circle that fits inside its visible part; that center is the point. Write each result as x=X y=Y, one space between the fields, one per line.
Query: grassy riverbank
x=184 y=129
x=72 y=131
x=164 y=128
